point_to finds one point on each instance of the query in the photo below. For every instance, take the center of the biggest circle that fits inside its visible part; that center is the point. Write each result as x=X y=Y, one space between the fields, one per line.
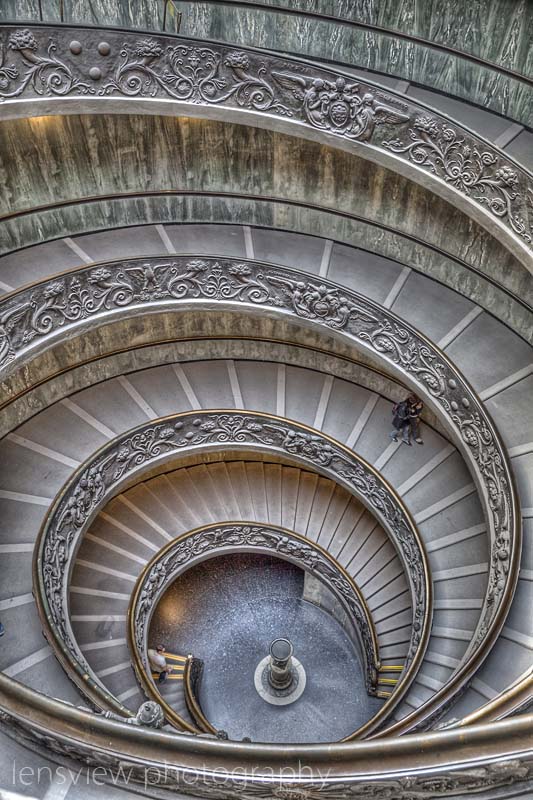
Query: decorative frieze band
x=32 y=316
x=91 y=65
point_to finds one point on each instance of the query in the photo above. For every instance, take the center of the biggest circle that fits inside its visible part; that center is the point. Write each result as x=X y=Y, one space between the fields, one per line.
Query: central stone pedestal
x=279 y=677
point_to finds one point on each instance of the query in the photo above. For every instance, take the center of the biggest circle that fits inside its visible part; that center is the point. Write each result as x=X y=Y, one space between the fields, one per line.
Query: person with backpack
x=401 y=421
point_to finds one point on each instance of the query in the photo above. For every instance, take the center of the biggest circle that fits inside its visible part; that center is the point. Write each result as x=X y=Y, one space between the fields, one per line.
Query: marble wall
x=123 y=13
x=500 y=31
x=56 y=159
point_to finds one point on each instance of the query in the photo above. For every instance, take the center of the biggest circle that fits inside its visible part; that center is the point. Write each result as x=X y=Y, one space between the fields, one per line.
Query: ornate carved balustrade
x=80 y=70
x=77 y=70
x=184 y=552
x=358 y=40
x=156 y=444
x=352 y=35
x=32 y=317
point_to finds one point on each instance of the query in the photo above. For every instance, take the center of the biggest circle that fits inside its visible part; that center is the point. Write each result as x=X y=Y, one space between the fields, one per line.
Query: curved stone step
x=382 y=278
x=254 y=491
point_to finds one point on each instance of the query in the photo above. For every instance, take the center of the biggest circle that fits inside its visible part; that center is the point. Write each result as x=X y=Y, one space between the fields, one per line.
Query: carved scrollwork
x=88 y=489
x=185 y=551
x=45 y=74
x=79 y=296
x=190 y=71
x=196 y=74
x=475 y=170
x=33 y=314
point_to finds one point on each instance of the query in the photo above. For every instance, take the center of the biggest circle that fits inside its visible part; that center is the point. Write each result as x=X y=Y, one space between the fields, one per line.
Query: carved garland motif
x=188 y=548
x=213 y=74
x=33 y=314
x=85 y=493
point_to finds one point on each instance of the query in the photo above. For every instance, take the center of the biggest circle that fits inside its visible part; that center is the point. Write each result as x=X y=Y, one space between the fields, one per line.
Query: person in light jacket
x=158 y=663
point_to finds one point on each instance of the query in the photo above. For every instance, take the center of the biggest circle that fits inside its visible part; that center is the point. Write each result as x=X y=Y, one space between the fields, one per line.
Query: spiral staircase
x=232 y=236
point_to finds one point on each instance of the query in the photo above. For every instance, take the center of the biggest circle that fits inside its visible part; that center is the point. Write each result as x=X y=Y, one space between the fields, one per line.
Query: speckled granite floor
x=226 y=611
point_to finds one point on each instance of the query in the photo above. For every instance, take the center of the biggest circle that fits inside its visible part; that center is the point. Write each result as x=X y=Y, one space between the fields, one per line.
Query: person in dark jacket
x=401 y=421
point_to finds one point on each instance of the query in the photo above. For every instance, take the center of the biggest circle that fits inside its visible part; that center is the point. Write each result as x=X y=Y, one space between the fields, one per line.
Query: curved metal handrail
x=517 y=699
x=438 y=764
x=191 y=681
x=354 y=24
x=78 y=295
x=284 y=93
x=510 y=295
x=151 y=445
x=187 y=549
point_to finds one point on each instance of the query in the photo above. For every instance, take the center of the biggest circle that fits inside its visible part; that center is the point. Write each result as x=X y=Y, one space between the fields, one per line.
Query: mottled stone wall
x=500 y=31
x=70 y=158
x=318 y=594
x=123 y=13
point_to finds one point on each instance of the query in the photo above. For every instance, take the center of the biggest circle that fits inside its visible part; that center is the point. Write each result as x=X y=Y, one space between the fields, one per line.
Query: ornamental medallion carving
x=341 y=106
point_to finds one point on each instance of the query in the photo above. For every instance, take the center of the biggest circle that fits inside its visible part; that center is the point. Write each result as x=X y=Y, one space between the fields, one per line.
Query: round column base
x=279 y=697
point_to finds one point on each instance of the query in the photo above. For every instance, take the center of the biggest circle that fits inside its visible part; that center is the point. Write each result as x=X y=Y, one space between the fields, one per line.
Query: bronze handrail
x=263 y=89
x=456 y=761
x=172 y=436
x=516 y=699
x=460 y=410
x=275 y=200
x=191 y=681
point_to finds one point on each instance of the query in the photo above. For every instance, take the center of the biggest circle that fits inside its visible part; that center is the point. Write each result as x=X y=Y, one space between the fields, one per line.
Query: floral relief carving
x=188 y=71
x=477 y=172
x=192 y=74
x=89 y=489
x=33 y=314
x=46 y=74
